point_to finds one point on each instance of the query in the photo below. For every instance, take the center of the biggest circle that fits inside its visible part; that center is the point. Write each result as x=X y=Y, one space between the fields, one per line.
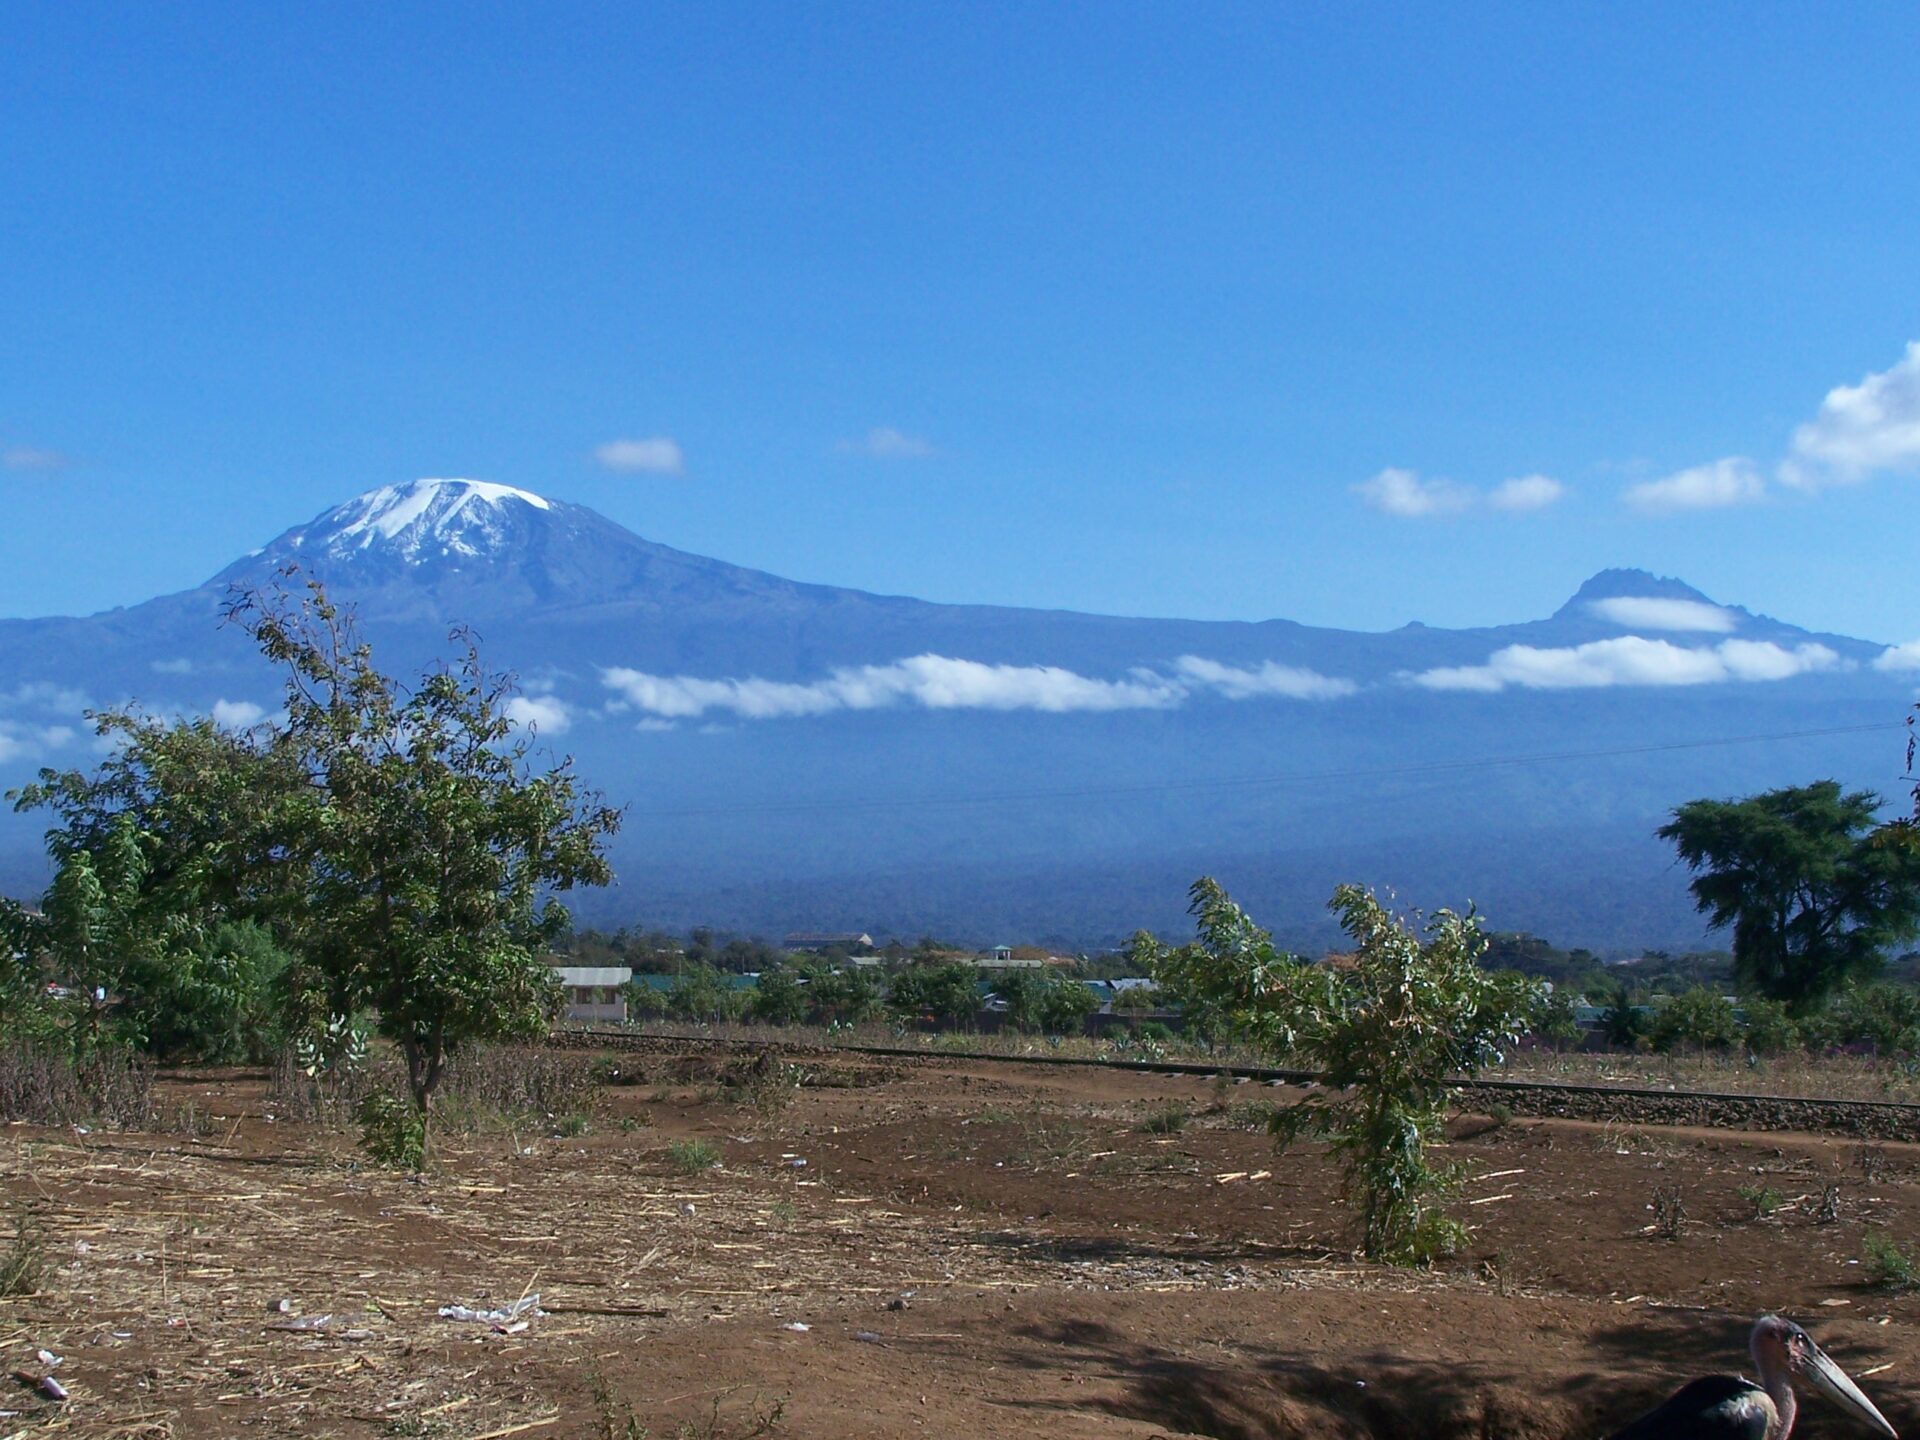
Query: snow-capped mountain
x=808 y=756
x=466 y=550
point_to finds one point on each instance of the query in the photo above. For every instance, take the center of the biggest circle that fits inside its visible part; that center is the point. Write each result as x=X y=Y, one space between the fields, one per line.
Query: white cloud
x=1899 y=659
x=886 y=443
x=1653 y=612
x=655 y=455
x=1630 y=660
x=546 y=714
x=1713 y=486
x=237 y=714
x=1861 y=429
x=1271 y=679
x=33 y=457
x=938 y=682
x=172 y=667
x=45 y=695
x=31 y=742
x=933 y=682
x=1403 y=493
x=1526 y=492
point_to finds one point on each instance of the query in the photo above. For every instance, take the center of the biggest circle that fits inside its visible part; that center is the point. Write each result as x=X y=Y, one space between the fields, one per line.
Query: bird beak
x=1832 y=1382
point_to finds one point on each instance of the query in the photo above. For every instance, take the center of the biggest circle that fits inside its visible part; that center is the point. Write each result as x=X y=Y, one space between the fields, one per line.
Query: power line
x=1102 y=792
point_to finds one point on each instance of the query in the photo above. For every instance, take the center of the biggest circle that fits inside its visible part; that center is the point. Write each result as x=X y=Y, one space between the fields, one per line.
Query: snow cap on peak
x=463 y=517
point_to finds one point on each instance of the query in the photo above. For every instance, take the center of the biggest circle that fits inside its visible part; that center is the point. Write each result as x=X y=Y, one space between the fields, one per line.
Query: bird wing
x=1716 y=1407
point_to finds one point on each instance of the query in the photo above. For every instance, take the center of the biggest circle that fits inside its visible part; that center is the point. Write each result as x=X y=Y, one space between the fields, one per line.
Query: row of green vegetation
x=813 y=991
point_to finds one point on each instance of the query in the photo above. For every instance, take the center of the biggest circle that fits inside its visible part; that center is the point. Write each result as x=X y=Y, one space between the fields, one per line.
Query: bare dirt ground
x=989 y=1251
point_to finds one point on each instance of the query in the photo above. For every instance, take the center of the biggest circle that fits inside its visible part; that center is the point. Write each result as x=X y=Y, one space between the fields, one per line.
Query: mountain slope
x=821 y=756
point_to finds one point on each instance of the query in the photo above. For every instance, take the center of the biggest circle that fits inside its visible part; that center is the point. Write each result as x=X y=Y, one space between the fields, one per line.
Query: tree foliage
x=1039 y=999
x=154 y=852
x=1698 y=1019
x=947 y=993
x=1387 y=1033
x=1813 y=898
x=429 y=846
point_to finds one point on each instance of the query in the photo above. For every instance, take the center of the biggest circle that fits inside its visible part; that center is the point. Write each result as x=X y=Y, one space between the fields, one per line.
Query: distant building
x=596 y=994
x=807 y=942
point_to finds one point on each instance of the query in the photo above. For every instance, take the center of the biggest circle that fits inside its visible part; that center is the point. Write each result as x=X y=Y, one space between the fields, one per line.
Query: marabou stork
x=1728 y=1407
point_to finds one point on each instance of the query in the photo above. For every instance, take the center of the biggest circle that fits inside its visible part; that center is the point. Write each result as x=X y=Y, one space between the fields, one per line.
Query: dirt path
x=975 y=1251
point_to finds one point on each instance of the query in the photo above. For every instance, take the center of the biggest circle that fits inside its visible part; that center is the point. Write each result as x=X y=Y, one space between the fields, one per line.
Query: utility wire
x=1101 y=792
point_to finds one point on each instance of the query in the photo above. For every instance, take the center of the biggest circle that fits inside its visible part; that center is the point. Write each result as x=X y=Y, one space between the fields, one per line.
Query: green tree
x=1698 y=1017
x=1812 y=897
x=429 y=846
x=644 y=1002
x=842 y=997
x=1621 y=1021
x=1387 y=1034
x=779 y=998
x=700 y=992
x=946 y=992
x=1038 y=999
x=1768 y=1028
x=1553 y=1020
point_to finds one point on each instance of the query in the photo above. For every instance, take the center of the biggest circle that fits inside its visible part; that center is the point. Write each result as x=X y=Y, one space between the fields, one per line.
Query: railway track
x=1622 y=1104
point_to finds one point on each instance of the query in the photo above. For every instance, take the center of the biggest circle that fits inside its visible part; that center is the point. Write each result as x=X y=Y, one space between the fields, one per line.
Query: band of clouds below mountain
x=938 y=682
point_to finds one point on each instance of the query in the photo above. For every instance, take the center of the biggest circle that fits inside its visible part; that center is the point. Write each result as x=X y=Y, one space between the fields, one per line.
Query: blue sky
x=1184 y=310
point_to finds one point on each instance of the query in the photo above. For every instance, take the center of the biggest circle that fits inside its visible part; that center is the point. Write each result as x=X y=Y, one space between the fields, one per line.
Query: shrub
x=1762 y=1200
x=1388 y=1034
x=392 y=1132
x=24 y=1265
x=503 y=1082
x=1885 y=1016
x=778 y=997
x=1168 y=1119
x=1698 y=1017
x=702 y=993
x=1669 y=1213
x=1552 y=1021
x=42 y=1083
x=1770 y=1029
x=1045 y=1000
x=691 y=1157
x=945 y=993
x=1889 y=1265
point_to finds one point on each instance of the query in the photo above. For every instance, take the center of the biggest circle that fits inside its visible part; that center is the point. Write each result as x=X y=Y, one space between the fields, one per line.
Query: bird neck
x=1780 y=1391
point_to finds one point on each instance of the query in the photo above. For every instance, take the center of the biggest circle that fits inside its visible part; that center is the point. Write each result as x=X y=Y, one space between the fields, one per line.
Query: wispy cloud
x=1410 y=496
x=1525 y=492
x=544 y=714
x=940 y=682
x=1269 y=679
x=1899 y=659
x=1405 y=494
x=1861 y=429
x=22 y=740
x=33 y=457
x=1630 y=660
x=886 y=443
x=1713 y=486
x=45 y=695
x=1654 y=612
x=933 y=682
x=654 y=455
